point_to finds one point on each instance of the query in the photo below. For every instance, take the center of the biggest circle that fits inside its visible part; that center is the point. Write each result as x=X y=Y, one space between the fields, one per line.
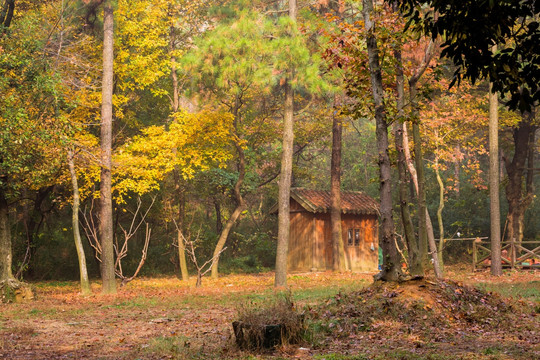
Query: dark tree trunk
x=219 y=223
x=285 y=175
x=391 y=269
x=32 y=227
x=339 y=262
x=519 y=190
x=6 y=13
x=106 y=218
x=416 y=266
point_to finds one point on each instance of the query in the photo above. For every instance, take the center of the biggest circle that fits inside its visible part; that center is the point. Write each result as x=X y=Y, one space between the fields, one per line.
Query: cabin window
x=356 y=237
x=353 y=237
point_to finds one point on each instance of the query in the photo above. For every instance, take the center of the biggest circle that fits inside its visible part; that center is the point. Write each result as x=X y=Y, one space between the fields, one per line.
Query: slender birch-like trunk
x=83 y=272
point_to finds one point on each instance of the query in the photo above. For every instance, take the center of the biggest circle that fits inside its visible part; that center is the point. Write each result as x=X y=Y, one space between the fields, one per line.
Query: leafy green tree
x=31 y=123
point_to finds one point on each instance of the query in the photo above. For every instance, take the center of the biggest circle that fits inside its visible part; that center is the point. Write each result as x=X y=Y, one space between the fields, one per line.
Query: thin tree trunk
x=240 y=207
x=106 y=220
x=416 y=266
x=286 y=175
x=414 y=178
x=219 y=223
x=391 y=269
x=423 y=214
x=339 y=262
x=6 y=258
x=494 y=203
x=83 y=272
x=439 y=215
x=457 y=170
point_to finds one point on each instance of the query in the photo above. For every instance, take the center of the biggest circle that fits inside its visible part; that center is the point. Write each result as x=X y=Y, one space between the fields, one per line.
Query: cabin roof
x=320 y=201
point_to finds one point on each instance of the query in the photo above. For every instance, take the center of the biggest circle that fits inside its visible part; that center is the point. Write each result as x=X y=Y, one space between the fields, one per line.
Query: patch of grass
x=492 y=350
x=176 y=347
x=55 y=284
x=138 y=302
x=526 y=290
x=340 y=357
x=50 y=312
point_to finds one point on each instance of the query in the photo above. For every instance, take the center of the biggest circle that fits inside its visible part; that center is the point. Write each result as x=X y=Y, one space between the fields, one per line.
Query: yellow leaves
x=192 y=143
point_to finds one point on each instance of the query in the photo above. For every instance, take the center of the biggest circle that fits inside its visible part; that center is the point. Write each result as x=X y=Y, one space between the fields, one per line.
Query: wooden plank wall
x=365 y=255
x=300 y=256
x=310 y=244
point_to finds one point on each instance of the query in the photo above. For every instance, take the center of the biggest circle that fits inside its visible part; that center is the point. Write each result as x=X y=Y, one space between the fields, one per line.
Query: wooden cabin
x=310 y=241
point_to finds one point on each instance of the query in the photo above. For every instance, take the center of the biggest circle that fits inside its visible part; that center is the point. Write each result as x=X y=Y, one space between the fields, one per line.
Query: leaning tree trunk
x=416 y=266
x=494 y=203
x=85 y=282
x=391 y=270
x=105 y=217
x=285 y=175
x=240 y=206
x=519 y=190
x=338 y=249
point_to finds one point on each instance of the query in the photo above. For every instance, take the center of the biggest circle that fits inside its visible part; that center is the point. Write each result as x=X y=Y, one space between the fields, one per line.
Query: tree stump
x=12 y=290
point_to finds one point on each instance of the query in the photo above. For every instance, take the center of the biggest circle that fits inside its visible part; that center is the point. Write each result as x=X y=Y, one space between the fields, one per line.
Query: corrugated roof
x=320 y=201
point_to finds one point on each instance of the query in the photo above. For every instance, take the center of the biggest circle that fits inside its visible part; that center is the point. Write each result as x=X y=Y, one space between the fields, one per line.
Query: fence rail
x=513 y=254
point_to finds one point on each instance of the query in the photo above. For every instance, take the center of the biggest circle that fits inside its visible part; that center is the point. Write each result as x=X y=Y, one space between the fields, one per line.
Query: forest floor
x=164 y=318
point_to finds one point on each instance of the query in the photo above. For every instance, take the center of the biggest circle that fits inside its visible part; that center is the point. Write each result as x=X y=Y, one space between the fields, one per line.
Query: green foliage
x=31 y=124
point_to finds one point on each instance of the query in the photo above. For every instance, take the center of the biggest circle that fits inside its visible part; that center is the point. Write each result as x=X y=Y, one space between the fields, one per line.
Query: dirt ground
x=160 y=318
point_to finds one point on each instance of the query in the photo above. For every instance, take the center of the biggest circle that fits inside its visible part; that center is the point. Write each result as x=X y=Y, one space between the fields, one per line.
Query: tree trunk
x=457 y=170
x=439 y=215
x=219 y=224
x=414 y=177
x=85 y=282
x=494 y=205
x=106 y=220
x=6 y=258
x=519 y=199
x=240 y=207
x=286 y=175
x=178 y=183
x=423 y=214
x=416 y=266
x=391 y=269
x=338 y=249
x=6 y=14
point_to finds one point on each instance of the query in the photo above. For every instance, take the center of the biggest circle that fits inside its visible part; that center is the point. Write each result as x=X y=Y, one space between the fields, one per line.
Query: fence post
x=474 y=256
x=513 y=253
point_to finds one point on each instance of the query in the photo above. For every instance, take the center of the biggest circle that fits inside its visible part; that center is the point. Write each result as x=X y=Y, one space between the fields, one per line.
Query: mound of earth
x=422 y=316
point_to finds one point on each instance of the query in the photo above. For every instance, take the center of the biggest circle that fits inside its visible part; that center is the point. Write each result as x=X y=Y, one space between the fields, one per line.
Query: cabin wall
x=310 y=243
x=362 y=252
x=300 y=255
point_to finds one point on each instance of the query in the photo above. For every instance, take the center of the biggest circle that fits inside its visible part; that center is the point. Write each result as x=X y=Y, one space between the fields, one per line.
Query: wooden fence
x=513 y=254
